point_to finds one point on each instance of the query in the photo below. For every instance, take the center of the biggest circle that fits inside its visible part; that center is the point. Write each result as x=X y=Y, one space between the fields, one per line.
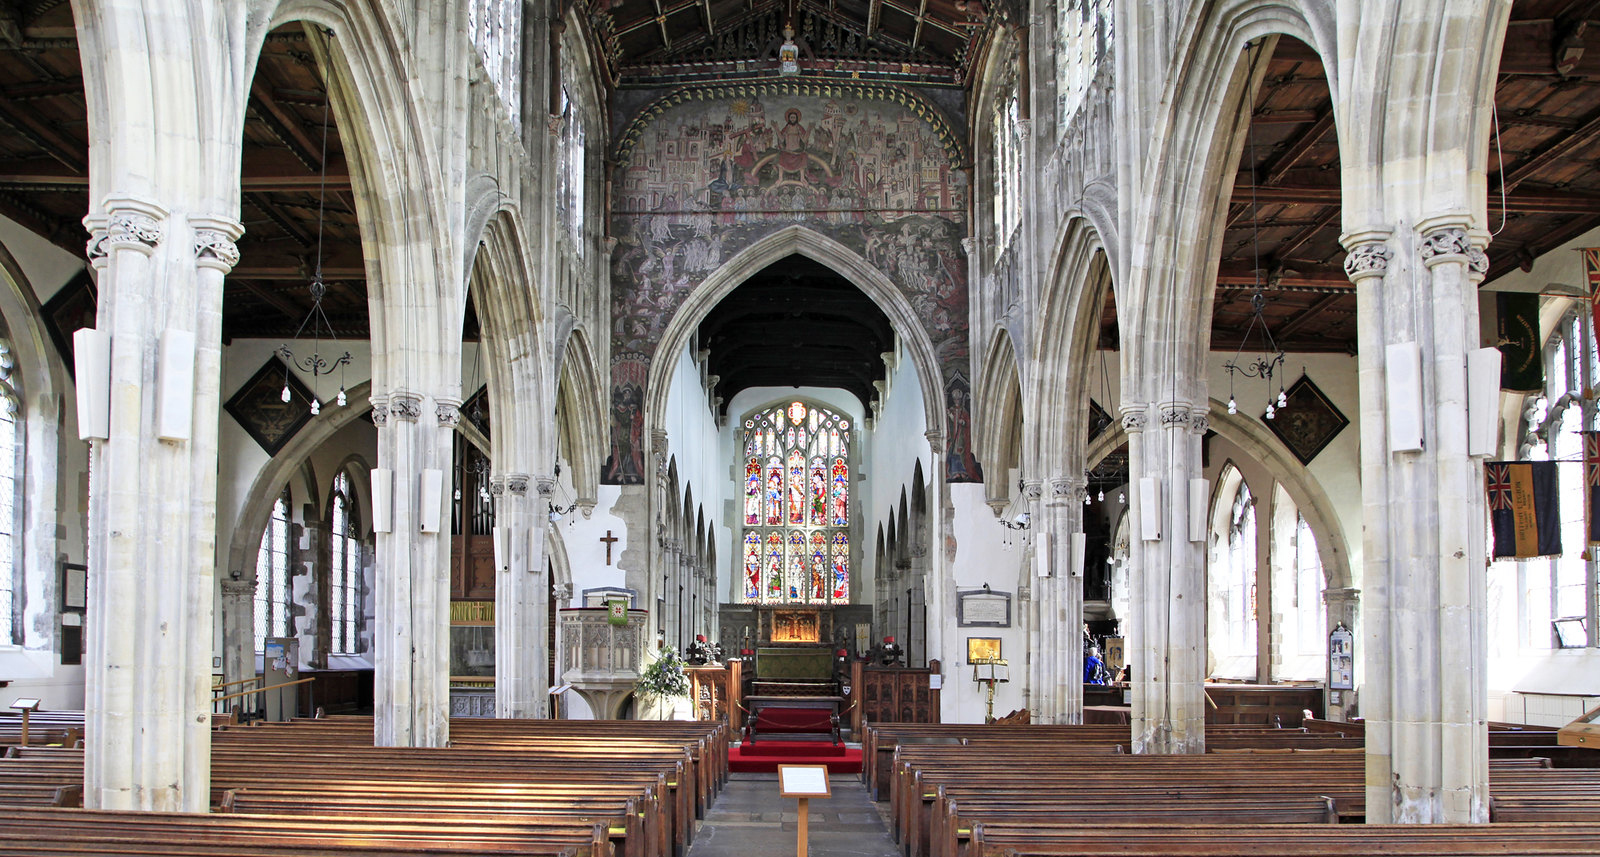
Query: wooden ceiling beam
x=270 y=297
x=1525 y=201
x=27 y=122
x=874 y=15
x=1286 y=249
x=295 y=272
x=1307 y=315
x=1297 y=149
x=282 y=219
x=39 y=174
x=285 y=124
x=1563 y=147
x=921 y=15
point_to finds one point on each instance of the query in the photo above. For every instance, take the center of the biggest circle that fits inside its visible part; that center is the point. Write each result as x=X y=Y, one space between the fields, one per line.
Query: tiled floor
x=750 y=819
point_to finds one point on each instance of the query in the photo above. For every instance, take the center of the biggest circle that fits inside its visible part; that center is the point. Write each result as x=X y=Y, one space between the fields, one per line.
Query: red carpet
x=764 y=756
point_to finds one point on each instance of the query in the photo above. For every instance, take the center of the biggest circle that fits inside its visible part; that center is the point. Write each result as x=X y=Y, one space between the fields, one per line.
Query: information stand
x=803 y=782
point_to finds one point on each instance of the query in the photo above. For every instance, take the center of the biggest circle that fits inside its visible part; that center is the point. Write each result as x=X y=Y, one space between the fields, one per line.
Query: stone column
x=308 y=587
x=1425 y=692
x=238 y=627
x=1060 y=599
x=1166 y=639
x=411 y=644
x=938 y=591
x=563 y=594
x=520 y=597
x=1343 y=605
x=152 y=513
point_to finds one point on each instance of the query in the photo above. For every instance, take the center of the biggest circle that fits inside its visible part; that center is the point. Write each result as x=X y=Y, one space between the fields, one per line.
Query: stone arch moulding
x=996 y=409
x=817 y=247
x=581 y=396
x=1304 y=489
x=388 y=147
x=39 y=433
x=1073 y=302
x=270 y=479
x=1204 y=121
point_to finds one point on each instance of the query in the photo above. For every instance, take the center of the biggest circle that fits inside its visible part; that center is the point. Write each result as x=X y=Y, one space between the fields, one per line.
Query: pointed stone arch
x=1303 y=488
x=998 y=416
x=790 y=241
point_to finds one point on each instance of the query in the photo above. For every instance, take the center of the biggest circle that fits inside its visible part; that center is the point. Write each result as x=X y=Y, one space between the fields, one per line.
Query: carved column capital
x=545 y=484
x=1199 y=422
x=131 y=224
x=214 y=245
x=1368 y=253
x=406 y=406
x=1176 y=414
x=447 y=412
x=1032 y=489
x=1444 y=245
x=936 y=440
x=380 y=410
x=562 y=591
x=1134 y=418
x=518 y=484
x=1061 y=487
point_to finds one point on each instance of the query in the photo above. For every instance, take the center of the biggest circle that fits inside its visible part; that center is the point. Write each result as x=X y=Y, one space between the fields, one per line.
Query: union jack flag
x=1498 y=477
x=1591 y=480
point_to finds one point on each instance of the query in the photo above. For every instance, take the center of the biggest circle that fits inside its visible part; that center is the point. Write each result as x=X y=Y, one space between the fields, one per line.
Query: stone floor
x=750 y=819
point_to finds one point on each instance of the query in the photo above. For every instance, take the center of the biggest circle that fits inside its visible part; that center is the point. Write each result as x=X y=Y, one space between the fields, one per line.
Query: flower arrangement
x=663 y=678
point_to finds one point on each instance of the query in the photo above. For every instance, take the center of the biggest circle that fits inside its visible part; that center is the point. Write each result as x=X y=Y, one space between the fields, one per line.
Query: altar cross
x=609 y=540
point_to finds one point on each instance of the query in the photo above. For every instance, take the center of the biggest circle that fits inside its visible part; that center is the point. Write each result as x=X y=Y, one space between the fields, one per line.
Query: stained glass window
x=796 y=460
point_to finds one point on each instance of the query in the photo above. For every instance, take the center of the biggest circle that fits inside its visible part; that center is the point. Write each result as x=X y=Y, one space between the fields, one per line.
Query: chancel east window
x=797 y=506
x=272 y=576
x=344 y=582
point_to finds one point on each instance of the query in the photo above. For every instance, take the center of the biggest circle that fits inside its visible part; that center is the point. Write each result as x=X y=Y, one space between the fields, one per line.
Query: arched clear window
x=1083 y=35
x=344 y=581
x=10 y=409
x=1231 y=582
x=1007 y=164
x=272 y=575
x=797 y=505
x=1559 y=594
x=496 y=28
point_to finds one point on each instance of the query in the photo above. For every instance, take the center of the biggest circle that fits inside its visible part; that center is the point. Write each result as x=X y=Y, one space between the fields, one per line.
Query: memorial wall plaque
x=983 y=608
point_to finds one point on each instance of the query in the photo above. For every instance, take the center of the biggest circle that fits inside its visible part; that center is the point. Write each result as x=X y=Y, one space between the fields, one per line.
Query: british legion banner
x=1523 y=509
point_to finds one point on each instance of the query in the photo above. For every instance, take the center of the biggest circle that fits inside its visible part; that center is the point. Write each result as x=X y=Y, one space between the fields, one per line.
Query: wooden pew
x=1252 y=840
x=28 y=832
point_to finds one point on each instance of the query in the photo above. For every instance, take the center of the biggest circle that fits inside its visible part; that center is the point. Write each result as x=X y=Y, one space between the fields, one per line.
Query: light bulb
x=341 y=398
x=1233 y=406
x=1283 y=398
x=1086 y=500
x=316 y=407
x=286 y=397
x=1122 y=497
x=1102 y=497
x=1271 y=411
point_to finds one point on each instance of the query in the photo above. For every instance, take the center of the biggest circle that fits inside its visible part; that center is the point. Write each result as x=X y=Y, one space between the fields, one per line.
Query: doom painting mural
x=706 y=172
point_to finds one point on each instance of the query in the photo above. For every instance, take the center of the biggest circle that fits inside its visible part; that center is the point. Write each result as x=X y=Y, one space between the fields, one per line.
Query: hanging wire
x=316 y=365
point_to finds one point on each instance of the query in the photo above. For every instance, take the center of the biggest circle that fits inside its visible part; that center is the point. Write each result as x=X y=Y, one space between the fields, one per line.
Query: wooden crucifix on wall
x=609 y=540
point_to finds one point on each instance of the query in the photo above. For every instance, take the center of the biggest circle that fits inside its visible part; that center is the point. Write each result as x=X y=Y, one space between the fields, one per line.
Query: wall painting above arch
x=706 y=172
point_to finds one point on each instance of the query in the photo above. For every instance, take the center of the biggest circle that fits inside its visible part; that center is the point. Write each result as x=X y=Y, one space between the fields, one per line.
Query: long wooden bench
x=1247 y=840
x=27 y=832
